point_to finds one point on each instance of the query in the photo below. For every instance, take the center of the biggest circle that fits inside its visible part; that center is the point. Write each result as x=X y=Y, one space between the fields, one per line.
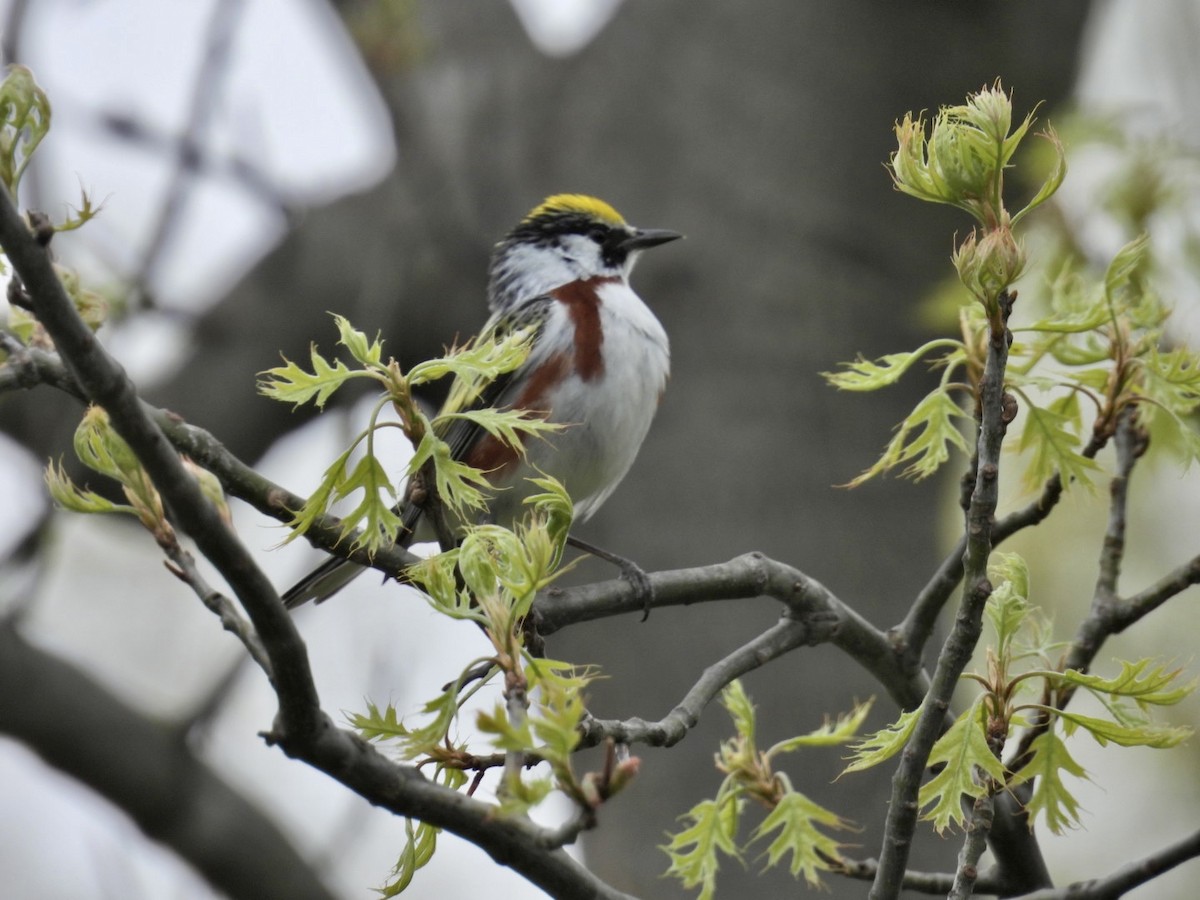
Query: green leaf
x=558 y=709
x=463 y=488
x=1053 y=181
x=865 y=375
x=1142 y=681
x=377 y=516
x=832 y=733
x=883 y=744
x=1051 y=799
x=319 y=501
x=1051 y=438
x=737 y=702
x=1129 y=262
x=1143 y=734
x=369 y=353
x=413 y=742
x=694 y=850
x=475 y=365
x=504 y=734
x=69 y=495
x=419 y=845
x=378 y=725
x=798 y=821
x=1008 y=607
x=962 y=751
x=555 y=509
x=291 y=384
x=1173 y=379
x=511 y=426
x=922 y=438
x=24 y=121
x=436 y=576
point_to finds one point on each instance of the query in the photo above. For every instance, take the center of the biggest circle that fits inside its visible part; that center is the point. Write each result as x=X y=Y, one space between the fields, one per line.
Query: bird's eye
x=598 y=233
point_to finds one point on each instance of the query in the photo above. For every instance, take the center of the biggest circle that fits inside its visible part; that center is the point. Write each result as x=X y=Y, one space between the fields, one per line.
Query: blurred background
x=263 y=163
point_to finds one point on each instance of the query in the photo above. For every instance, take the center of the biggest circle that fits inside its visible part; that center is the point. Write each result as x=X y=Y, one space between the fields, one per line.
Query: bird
x=598 y=364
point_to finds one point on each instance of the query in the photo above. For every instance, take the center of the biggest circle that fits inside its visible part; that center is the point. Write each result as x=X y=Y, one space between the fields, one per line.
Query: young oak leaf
x=831 y=733
x=378 y=517
x=693 y=851
x=1051 y=439
x=923 y=437
x=964 y=752
x=369 y=353
x=1142 y=681
x=798 y=821
x=1051 y=799
x=883 y=744
x=1127 y=734
x=870 y=375
x=419 y=845
x=290 y=383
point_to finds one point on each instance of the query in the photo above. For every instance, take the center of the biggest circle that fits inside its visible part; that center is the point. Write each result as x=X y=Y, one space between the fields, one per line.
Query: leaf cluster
x=1023 y=694
x=101 y=449
x=359 y=471
x=795 y=826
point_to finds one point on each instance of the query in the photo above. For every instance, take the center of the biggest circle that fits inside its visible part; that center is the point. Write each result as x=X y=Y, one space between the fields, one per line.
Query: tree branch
x=825 y=618
x=784 y=636
x=956 y=652
x=1126 y=878
x=28 y=367
x=105 y=383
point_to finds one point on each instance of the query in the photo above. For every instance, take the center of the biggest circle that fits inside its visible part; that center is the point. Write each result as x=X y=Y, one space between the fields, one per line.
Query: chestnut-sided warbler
x=598 y=365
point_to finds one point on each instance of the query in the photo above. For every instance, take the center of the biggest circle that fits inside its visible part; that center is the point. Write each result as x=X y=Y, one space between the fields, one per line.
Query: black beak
x=644 y=238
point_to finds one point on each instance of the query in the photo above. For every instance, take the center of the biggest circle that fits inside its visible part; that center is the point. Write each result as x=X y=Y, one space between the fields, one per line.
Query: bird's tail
x=322 y=582
x=335 y=573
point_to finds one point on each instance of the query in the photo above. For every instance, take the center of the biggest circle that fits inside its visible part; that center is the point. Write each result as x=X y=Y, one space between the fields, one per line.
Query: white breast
x=608 y=416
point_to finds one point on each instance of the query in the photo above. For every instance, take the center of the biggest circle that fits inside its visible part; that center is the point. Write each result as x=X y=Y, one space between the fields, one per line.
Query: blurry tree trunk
x=759 y=129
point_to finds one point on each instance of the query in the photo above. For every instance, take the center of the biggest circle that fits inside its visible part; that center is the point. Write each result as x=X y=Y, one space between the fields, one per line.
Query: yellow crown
x=576 y=203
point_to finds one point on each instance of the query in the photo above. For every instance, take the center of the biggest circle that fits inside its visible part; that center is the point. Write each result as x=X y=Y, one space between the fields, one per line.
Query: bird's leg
x=634 y=574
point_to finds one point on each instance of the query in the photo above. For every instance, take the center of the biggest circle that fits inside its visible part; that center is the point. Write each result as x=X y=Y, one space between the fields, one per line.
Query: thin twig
x=1126 y=878
x=784 y=636
x=974 y=843
x=183 y=566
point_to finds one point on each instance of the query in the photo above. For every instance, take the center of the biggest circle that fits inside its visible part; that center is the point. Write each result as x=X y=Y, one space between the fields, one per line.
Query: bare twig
x=784 y=636
x=825 y=618
x=1126 y=878
x=183 y=566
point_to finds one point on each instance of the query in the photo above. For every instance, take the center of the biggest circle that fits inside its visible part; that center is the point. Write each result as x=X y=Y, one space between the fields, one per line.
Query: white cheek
x=582 y=252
